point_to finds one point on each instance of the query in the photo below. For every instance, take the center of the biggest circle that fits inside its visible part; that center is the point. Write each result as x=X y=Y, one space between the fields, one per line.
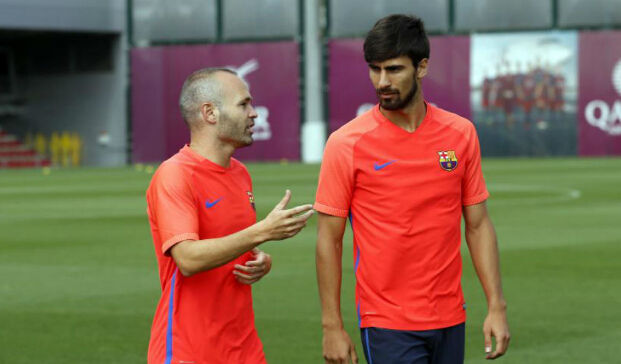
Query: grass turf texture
x=79 y=283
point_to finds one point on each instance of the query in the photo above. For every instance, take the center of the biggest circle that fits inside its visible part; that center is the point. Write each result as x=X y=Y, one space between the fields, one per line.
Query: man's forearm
x=329 y=272
x=198 y=256
x=485 y=257
x=483 y=245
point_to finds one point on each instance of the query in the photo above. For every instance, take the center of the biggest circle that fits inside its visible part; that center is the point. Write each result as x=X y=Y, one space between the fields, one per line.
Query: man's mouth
x=387 y=95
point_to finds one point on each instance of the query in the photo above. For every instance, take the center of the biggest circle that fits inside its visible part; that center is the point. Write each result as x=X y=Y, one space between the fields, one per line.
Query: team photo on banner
x=524 y=93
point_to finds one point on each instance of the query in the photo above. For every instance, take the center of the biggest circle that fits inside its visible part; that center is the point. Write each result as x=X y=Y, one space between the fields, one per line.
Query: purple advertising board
x=600 y=93
x=446 y=85
x=270 y=69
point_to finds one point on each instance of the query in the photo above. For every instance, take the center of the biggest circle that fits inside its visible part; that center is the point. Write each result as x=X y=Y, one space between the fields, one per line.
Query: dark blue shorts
x=443 y=346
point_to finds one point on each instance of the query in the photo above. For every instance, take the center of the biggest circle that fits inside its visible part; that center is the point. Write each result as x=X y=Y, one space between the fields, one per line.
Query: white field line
x=76 y=215
x=69 y=188
x=558 y=194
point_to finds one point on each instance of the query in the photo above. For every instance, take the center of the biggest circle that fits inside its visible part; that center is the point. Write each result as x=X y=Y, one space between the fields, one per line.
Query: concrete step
x=14 y=154
x=5 y=138
x=18 y=153
x=25 y=164
x=14 y=148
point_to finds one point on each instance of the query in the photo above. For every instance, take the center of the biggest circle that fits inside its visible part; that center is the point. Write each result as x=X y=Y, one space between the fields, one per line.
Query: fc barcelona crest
x=448 y=160
x=251 y=198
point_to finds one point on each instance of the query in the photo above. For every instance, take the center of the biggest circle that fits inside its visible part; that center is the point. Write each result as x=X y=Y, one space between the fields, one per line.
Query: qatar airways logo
x=603 y=116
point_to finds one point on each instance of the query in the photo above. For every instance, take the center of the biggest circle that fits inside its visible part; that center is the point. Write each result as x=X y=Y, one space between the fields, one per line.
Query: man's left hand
x=255 y=269
x=496 y=326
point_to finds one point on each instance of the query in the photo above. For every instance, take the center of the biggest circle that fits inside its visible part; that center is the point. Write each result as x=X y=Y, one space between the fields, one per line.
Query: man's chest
x=406 y=172
x=225 y=205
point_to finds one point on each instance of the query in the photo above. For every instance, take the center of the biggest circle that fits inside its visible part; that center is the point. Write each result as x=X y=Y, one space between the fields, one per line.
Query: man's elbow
x=186 y=272
x=185 y=268
x=183 y=259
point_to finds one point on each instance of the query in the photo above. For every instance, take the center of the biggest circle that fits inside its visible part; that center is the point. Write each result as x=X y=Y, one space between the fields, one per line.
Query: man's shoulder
x=177 y=164
x=353 y=130
x=453 y=121
x=174 y=171
x=237 y=165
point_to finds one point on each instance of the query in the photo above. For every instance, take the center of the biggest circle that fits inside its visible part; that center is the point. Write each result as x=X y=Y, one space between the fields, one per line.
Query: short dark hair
x=395 y=36
x=200 y=87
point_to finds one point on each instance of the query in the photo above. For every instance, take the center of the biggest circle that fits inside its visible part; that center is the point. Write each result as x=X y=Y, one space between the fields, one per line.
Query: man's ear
x=421 y=70
x=209 y=113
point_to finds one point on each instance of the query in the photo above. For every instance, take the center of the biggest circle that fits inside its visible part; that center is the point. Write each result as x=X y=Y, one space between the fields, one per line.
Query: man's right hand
x=283 y=224
x=338 y=347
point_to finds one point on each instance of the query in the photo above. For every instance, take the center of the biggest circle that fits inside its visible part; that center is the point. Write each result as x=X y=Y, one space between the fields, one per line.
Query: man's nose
x=384 y=80
x=253 y=113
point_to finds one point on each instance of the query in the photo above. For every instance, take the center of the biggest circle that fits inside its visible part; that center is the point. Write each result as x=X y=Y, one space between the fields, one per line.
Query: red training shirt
x=206 y=318
x=404 y=194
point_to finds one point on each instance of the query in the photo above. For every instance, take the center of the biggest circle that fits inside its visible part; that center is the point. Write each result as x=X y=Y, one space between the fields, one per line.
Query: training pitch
x=79 y=281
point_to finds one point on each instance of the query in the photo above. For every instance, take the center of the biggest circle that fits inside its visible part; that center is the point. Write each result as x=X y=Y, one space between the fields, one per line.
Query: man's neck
x=410 y=117
x=213 y=150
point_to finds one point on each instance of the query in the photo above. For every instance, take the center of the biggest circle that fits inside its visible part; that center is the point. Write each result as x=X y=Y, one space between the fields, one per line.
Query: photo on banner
x=524 y=90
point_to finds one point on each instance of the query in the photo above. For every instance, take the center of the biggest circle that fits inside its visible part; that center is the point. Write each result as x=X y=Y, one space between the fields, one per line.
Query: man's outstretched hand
x=282 y=224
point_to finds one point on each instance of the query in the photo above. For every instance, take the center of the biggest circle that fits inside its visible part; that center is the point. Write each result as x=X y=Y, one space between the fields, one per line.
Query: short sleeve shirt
x=403 y=193
x=206 y=318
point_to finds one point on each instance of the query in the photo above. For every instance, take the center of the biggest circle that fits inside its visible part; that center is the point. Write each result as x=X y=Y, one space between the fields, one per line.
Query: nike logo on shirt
x=377 y=167
x=212 y=204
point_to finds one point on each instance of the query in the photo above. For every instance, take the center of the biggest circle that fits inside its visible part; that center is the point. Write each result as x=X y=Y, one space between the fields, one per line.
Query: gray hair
x=198 y=88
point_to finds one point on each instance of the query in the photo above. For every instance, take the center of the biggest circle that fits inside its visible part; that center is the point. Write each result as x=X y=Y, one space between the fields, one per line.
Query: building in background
x=65 y=66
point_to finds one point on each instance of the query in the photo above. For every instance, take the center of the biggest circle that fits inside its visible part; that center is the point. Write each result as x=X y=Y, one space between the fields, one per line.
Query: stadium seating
x=15 y=154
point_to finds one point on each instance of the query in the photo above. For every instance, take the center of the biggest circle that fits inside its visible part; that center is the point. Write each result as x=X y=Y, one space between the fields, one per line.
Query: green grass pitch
x=79 y=283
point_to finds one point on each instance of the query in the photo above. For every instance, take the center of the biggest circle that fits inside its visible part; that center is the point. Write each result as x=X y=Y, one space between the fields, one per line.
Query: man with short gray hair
x=203 y=221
